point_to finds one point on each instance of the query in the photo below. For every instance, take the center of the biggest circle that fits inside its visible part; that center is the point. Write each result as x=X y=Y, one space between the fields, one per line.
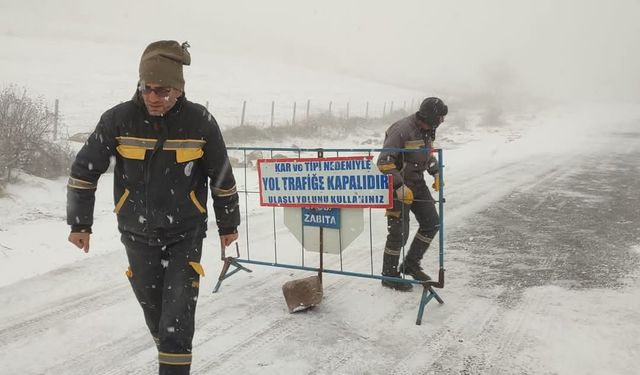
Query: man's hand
x=81 y=240
x=227 y=239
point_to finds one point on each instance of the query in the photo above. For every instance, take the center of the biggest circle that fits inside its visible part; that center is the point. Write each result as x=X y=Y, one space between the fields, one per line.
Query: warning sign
x=324 y=182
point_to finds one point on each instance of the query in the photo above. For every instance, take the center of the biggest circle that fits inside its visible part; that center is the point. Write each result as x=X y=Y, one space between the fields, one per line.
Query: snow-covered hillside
x=542 y=217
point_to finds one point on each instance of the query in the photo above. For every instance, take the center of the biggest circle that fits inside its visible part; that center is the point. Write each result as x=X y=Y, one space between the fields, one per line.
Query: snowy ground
x=542 y=227
x=542 y=255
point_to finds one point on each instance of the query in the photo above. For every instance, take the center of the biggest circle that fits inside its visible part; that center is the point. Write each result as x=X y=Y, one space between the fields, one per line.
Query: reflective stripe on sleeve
x=218 y=192
x=80 y=184
x=386 y=167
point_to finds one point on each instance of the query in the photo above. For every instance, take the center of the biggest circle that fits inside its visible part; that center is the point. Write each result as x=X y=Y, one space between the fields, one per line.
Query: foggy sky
x=567 y=48
x=584 y=50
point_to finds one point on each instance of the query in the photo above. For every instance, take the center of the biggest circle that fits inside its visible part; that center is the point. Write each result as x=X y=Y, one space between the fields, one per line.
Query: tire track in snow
x=102 y=359
x=108 y=358
x=284 y=328
x=279 y=329
x=482 y=324
x=336 y=360
x=503 y=333
x=94 y=359
x=57 y=312
x=489 y=186
x=208 y=324
x=487 y=342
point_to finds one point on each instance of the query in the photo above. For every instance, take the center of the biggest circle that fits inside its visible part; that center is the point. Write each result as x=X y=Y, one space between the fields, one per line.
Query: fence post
x=308 y=105
x=55 y=121
x=244 y=107
x=293 y=119
x=330 y=102
x=366 y=112
x=273 y=104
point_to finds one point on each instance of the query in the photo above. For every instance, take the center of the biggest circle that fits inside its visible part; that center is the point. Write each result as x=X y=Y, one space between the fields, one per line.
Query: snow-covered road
x=542 y=256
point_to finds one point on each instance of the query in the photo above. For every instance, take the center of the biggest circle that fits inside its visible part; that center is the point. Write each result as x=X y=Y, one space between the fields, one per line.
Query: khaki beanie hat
x=162 y=62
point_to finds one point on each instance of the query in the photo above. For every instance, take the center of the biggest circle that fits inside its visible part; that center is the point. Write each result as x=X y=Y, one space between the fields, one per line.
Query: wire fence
x=272 y=113
x=275 y=113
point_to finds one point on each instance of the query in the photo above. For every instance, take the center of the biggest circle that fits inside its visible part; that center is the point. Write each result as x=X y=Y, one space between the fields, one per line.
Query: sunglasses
x=159 y=91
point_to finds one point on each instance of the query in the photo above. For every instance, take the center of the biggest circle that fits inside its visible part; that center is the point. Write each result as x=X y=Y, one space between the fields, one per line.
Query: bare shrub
x=25 y=125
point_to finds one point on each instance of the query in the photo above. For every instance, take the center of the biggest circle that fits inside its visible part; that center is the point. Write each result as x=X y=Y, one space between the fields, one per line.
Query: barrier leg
x=427 y=294
x=224 y=273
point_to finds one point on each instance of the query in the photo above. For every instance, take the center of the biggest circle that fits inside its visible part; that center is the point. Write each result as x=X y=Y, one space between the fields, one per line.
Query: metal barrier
x=251 y=154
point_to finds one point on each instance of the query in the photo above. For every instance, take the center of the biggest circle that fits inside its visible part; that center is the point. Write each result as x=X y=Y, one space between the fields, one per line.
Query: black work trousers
x=166 y=280
x=424 y=210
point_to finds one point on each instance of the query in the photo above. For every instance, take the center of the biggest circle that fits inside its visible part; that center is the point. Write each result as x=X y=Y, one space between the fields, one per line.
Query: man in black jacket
x=167 y=152
x=410 y=141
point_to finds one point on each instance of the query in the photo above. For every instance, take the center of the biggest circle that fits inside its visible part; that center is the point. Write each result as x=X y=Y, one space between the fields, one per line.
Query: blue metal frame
x=428 y=293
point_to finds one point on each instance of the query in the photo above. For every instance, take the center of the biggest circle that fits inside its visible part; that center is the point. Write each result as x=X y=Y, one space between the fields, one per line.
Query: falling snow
x=188 y=168
x=500 y=195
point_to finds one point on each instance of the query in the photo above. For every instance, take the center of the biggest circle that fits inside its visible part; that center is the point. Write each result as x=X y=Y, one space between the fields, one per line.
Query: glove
x=432 y=167
x=404 y=194
x=436 y=182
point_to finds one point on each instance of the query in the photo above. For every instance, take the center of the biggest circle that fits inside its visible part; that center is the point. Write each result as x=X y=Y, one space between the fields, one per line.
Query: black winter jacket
x=162 y=168
x=408 y=167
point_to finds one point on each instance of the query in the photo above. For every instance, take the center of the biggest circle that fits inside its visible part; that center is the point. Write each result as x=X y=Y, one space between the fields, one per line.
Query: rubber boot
x=390 y=268
x=411 y=265
x=414 y=270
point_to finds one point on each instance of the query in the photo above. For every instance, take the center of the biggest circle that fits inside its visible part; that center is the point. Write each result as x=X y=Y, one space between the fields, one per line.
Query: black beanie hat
x=431 y=109
x=162 y=62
